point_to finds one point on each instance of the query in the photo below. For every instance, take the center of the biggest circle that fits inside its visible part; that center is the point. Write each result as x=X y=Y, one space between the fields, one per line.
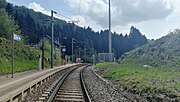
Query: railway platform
x=19 y=84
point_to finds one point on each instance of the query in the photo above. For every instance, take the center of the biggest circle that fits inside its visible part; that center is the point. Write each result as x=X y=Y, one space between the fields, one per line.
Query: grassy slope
x=25 y=58
x=152 y=70
x=151 y=82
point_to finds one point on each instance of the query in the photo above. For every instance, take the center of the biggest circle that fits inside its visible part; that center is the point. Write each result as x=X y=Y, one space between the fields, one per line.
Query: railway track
x=68 y=88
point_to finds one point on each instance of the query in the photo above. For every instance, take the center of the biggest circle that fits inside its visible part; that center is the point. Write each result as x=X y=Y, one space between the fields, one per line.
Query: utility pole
x=79 y=52
x=52 y=38
x=59 y=49
x=110 y=38
x=12 y=55
x=73 y=38
x=73 y=49
x=85 y=54
x=42 y=66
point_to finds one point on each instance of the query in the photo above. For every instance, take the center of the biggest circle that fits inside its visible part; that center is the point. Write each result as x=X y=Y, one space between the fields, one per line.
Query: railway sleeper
x=68 y=100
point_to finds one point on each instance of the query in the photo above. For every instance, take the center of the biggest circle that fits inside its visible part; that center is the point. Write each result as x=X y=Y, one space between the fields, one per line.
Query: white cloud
x=38 y=8
x=124 y=12
x=80 y=20
x=153 y=17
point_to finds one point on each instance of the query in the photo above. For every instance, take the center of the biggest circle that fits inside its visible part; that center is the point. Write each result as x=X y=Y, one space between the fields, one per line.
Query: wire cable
x=47 y=5
x=62 y=15
x=79 y=9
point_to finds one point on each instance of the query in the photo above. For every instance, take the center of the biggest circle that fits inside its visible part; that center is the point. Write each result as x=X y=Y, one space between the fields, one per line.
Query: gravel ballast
x=37 y=93
x=99 y=90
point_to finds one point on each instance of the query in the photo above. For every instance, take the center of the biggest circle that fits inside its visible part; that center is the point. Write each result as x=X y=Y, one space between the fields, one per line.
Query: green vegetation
x=106 y=65
x=141 y=79
x=47 y=51
x=7 y=25
x=162 y=53
x=86 y=38
x=152 y=70
x=25 y=57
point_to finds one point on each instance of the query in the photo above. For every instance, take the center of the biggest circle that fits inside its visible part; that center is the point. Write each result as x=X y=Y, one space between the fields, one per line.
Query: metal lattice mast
x=110 y=38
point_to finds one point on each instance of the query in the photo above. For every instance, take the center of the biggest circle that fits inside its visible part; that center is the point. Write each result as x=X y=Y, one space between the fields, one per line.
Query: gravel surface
x=99 y=90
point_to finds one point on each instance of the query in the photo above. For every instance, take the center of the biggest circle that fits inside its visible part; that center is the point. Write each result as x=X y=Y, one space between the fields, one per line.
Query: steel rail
x=86 y=94
x=60 y=82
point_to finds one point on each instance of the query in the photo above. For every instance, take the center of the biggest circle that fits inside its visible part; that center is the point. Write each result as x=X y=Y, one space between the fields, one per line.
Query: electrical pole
x=72 y=49
x=42 y=66
x=59 y=49
x=110 y=42
x=85 y=54
x=12 y=55
x=52 y=38
x=79 y=52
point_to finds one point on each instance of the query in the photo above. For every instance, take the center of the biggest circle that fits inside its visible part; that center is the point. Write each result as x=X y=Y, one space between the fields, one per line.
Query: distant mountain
x=32 y=25
x=164 y=52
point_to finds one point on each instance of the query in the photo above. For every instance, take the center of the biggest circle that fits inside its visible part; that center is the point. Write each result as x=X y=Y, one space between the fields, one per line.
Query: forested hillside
x=164 y=52
x=32 y=25
x=25 y=57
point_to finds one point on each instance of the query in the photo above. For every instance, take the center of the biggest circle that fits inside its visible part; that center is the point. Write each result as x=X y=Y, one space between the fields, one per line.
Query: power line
x=74 y=21
x=47 y=5
x=79 y=8
x=64 y=16
x=71 y=20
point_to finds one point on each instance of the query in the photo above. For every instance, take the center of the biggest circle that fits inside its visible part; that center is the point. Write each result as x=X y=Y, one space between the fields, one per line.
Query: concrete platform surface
x=8 y=84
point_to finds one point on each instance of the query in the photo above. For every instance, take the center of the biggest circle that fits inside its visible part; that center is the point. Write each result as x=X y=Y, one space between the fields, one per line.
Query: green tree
x=32 y=26
x=3 y=3
x=7 y=26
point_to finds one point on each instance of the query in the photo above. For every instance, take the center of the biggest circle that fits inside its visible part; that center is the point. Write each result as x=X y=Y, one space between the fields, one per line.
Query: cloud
x=38 y=8
x=80 y=20
x=124 y=12
x=140 y=10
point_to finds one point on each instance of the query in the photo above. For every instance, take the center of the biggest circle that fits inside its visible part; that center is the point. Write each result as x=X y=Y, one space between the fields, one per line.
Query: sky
x=154 y=18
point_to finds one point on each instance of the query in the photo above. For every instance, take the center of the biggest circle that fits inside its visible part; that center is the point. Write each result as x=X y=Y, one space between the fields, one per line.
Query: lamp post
x=79 y=52
x=64 y=50
x=73 y=49
x=85 y=54
x=60 y=46
x=93 y=59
